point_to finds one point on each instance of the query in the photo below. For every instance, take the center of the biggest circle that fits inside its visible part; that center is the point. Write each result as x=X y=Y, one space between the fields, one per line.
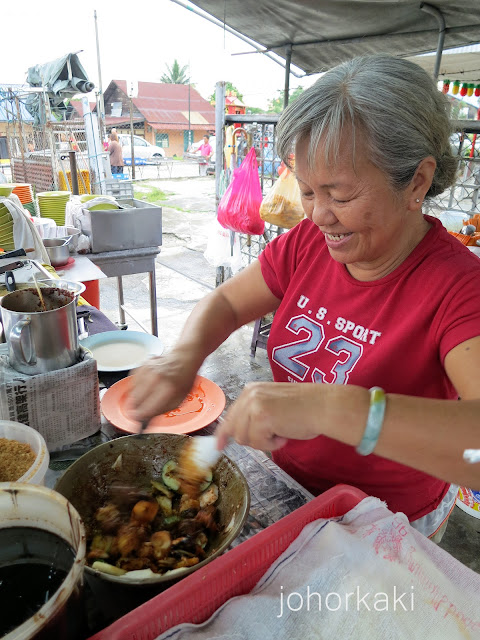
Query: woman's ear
x=421 y=183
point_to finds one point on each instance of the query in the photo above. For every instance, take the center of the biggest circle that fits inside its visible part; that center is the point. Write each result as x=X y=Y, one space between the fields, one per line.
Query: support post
x=22 y=139
x=73 y=172
x=436 y=13
x=131 y=139
x=219 y=136
x=101 y=104
x=288 y=60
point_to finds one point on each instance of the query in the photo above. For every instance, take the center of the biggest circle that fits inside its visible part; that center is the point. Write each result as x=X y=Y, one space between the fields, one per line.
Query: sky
x=137 y=39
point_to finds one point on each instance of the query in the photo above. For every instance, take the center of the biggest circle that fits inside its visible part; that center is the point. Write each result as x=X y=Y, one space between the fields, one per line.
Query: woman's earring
x=417 y=199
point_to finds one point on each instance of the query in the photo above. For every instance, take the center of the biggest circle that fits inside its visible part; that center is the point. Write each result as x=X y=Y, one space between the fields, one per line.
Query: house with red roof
x=171 y=116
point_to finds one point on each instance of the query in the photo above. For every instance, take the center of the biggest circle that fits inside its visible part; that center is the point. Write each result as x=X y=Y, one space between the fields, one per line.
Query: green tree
x=176 y=74
x=275 y=105
x=228 y=87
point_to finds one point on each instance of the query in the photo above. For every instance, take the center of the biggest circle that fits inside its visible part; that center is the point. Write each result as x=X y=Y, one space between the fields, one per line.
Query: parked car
x=141 y=148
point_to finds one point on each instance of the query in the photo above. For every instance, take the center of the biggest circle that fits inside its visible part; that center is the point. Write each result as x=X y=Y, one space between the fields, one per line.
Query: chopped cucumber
x=165 y=505
x=169 y=475
x=158 y=486
x=207 y=482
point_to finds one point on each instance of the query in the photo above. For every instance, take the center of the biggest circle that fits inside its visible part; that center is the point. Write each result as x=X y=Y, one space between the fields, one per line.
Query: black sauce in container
x=42 y=551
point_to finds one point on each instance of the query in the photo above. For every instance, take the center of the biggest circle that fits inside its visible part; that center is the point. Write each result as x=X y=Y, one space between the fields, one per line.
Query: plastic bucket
x=23 y=433
x=26 y=505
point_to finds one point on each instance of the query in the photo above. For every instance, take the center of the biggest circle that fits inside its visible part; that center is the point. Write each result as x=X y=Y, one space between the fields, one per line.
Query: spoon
x=42 y=301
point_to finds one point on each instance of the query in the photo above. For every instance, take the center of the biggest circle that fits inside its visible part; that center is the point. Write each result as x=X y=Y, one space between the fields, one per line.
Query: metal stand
x=260 y=336
x=116 y=264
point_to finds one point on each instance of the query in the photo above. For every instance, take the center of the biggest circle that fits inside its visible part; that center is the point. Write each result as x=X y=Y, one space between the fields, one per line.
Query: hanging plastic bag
x=240 y=204
x=282 y=205
x=223 y=250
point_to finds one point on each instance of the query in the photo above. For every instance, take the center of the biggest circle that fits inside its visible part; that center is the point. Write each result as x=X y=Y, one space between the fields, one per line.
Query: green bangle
x=374 y=425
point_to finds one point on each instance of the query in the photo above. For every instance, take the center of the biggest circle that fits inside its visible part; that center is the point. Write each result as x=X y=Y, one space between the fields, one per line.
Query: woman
x=115 y=150
x=368 y=292
x=205 y=150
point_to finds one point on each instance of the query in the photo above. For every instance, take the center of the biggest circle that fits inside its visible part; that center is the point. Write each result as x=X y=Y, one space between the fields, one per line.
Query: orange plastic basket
x=195 y=598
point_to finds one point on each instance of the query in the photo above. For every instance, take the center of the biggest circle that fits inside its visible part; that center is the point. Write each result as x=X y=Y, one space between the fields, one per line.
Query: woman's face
x=363 y=220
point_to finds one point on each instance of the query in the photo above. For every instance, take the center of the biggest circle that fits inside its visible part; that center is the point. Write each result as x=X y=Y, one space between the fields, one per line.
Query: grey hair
x=394 y=103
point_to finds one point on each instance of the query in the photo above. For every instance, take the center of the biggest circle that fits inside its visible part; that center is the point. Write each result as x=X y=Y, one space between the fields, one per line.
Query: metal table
x=128 y=262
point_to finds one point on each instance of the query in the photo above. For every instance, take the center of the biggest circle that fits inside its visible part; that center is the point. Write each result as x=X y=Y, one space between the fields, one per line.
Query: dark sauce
x=33 y=565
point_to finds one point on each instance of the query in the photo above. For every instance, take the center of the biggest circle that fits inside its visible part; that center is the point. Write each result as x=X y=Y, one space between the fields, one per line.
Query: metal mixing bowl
x=87 y=485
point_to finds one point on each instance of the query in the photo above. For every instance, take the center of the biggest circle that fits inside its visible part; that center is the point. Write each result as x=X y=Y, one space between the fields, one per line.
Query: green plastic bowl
x=6 y=189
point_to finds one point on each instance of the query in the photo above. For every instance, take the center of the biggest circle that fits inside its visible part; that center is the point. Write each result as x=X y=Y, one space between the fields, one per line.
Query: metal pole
x=288 y=60
x=189 y=138
x=433 y=11
x=219 y=134
x=73 y=172
x=101 y=115
x=131 y=139
x=22 y=139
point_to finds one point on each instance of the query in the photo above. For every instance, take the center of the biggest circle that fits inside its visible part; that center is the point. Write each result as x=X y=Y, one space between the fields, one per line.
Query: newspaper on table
x=62 y=405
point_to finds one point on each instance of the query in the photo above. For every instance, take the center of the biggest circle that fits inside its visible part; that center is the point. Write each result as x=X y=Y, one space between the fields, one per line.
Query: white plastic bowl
x=23 y=433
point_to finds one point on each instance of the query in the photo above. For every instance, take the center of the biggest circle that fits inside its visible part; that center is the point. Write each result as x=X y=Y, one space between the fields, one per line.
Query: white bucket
x=26 y=505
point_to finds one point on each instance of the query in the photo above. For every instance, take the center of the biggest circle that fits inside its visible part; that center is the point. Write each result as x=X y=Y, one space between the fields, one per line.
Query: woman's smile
x=337 y=240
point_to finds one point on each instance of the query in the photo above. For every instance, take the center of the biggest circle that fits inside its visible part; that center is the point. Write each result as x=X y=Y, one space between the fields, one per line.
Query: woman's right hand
x=161 y=384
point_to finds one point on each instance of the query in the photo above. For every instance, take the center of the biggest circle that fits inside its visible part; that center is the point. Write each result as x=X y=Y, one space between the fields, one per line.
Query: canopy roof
x=325 y=32
x=463 y=66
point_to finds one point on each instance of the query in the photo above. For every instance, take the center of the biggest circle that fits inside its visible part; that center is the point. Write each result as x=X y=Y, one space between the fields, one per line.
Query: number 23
x=289 y=356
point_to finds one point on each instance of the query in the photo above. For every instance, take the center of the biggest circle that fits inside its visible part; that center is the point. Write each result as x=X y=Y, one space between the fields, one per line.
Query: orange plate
x=202 y=406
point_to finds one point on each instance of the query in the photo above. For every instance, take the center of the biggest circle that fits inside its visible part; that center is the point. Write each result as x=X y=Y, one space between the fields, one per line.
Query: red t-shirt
x=394 y=333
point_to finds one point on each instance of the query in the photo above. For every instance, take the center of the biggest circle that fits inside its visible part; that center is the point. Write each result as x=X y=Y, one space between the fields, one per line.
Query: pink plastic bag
x=239 y=208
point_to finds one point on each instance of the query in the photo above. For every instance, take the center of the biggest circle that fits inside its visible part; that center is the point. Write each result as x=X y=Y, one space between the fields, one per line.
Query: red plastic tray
x=199 y=595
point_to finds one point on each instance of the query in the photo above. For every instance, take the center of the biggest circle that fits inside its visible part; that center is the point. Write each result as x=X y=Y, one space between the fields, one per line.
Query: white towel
x=25 y=234
x=369 y=575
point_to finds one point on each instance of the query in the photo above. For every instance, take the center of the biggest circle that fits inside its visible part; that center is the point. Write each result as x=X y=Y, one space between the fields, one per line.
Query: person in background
x=115 y=150
x=375 y=342
x=205 y=150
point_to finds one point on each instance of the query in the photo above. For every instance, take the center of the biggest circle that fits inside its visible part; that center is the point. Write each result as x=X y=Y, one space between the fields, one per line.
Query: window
x=139 y=142
x=116 y=109
x=161 y=140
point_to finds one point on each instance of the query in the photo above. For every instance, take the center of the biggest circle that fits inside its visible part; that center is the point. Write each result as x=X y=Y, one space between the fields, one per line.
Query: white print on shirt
x=290 y=356
x=342 y=324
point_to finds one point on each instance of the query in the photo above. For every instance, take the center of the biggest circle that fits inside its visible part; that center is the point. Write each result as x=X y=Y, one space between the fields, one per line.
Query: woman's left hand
x=266 y=414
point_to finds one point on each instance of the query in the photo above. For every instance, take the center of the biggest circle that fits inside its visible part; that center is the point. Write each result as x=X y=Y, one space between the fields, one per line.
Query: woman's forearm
x=429 y=435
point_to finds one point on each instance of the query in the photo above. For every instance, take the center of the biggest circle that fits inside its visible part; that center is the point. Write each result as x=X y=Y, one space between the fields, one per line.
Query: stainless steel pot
x=58 y=250
x=40 y=341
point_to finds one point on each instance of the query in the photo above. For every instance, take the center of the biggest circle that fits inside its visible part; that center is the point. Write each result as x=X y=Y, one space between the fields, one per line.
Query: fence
x=463 y=196
x=40 y=155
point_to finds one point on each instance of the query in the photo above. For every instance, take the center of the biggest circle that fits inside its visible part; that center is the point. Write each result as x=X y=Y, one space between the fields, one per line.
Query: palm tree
x=176 y=74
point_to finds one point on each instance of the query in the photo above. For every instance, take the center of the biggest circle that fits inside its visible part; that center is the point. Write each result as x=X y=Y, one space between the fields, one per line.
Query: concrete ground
x=184 y=276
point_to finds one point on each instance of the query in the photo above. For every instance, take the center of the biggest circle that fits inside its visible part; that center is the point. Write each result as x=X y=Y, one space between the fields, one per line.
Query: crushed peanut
x=16 y=458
